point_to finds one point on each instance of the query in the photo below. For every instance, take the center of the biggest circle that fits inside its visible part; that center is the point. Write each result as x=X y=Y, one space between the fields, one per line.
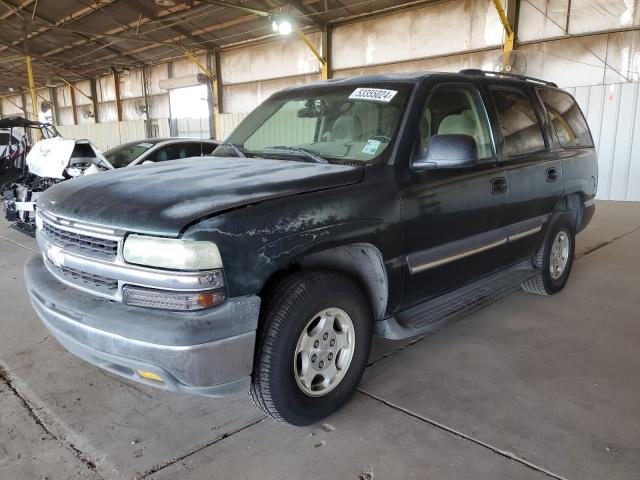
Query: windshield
x=338 y=124
x=124 y=154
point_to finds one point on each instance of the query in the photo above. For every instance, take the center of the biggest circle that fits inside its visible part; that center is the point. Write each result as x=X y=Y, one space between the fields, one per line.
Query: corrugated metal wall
x=613 y=113
x=105 y=135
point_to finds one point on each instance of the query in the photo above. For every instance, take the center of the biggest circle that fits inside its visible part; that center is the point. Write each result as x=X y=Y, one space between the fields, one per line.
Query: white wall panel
x=10 y=106
x=106 y=89
x=131 y=84
x=107 y=112
x=159 y=106
x=247 y=96
x=229 y=121
x=623 y=57
x=540 y=19
x=157 y=73
x=454 y=63
x=281 y=58
x=613 y=113
x=430 y=31
x=105 y=135
x=598 y=15
x=85 y=87
x=568 y=62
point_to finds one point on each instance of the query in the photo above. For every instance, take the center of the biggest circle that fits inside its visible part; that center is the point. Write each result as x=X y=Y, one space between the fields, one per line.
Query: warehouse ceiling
x=77 y=39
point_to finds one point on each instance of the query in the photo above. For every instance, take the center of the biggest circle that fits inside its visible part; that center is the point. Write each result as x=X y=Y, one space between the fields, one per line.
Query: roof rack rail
x=477 y=71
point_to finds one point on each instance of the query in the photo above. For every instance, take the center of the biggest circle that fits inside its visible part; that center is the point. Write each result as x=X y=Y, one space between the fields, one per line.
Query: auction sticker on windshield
x=373 y=94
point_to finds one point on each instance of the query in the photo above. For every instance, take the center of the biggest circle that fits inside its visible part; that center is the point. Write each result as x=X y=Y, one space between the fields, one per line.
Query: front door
x=453 y=219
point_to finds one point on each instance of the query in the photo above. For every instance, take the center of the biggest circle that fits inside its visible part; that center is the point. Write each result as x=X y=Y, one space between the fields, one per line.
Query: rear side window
x=567 y=119
x=518 y=122
x=193 y=150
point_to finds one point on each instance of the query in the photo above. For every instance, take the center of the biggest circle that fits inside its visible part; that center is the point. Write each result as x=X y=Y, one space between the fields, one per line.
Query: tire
x=545 y=282
x=290 y=309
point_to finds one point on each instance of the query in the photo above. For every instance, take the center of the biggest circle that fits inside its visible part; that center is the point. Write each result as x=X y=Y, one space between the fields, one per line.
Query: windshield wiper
x=310 y=155
x=236 y=149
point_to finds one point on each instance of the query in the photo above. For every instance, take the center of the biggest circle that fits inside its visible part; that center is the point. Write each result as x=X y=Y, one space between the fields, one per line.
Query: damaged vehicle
x=14 y=144
x=388 y=205
x=48 y=162
x=58 y=159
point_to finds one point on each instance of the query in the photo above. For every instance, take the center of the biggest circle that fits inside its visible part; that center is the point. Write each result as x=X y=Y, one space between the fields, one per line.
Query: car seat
x=346 y=128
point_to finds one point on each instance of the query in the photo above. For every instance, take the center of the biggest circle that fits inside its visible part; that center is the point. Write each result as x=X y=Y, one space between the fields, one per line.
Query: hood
x=161 y=199
x=50 y=157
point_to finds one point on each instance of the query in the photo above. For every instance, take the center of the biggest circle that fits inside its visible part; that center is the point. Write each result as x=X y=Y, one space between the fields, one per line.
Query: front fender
x=258 y=240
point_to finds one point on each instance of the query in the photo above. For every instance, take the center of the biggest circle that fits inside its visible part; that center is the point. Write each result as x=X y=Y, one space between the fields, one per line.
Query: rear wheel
x=554 y=259
x=313 y=347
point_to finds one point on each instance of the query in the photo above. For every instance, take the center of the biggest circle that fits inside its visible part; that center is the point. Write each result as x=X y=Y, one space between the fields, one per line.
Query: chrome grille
x=90 y=279
x=65 y=238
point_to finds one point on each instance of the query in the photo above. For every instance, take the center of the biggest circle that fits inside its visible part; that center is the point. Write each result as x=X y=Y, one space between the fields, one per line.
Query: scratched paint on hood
x=162 y=199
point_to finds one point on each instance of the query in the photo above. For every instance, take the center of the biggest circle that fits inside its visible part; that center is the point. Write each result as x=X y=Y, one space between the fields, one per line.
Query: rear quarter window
x=567 y=119
x=519 y=122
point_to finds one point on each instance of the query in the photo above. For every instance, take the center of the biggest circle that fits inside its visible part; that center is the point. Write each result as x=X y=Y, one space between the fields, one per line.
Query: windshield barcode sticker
x=373 y=94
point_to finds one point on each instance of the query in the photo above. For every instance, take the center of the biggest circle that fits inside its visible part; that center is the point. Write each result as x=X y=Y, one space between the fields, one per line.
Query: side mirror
x=148 y=162
x=448 y=151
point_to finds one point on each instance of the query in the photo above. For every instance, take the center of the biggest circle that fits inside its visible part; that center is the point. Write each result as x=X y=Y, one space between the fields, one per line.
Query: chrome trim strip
x=475 y=244
x=526 y=233
x=453 y=258
x=590 y=202
x=83 y=228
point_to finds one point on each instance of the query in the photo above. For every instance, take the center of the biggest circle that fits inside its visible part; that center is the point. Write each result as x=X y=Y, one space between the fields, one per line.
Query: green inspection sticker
x=371 y=147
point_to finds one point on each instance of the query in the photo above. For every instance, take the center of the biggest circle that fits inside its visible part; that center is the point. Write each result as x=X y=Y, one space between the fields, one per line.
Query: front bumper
x=208 y=352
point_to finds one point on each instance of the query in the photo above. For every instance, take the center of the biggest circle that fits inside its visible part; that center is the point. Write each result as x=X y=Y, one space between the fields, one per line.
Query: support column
x=326 y=52
x=212 y=106
x=94 y=99
x=32 y=89
x=145 y=89
x=23 y=98
x=53 y=95
x=73 y=105
x=116 y=82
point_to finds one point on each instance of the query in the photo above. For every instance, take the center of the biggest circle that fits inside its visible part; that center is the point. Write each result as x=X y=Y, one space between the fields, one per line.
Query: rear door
x=532 y=166
x=453 y=219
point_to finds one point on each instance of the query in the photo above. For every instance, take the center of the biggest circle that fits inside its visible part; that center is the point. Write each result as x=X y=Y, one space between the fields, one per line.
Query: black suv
x=383 y=204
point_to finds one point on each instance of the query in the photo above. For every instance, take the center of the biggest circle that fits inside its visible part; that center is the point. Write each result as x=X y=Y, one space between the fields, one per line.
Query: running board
x=452 y=306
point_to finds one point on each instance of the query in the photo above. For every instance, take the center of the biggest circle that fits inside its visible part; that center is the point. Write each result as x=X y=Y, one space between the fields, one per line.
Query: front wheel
x=554 y=259
x=313 y=347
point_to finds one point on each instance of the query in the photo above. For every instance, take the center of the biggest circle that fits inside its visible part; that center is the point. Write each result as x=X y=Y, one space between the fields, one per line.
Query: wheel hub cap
x=324 y=352
x=559 y=255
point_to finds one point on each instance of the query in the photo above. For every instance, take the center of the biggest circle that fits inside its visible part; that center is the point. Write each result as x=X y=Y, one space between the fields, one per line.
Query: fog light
x=150 y=376
x=171 y=300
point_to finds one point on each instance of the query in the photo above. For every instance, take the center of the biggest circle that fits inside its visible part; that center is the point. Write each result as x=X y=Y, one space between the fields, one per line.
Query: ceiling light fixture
x=281 y=26
x=165 y=3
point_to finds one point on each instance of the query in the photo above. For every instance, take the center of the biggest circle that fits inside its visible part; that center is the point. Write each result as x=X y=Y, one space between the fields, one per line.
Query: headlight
x=171 y=253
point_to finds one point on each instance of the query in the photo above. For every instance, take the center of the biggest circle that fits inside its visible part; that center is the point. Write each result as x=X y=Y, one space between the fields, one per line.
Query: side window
x=170 y=152
x=456 y=109
x=518 y=122
x=193 y=149
x=567 y=119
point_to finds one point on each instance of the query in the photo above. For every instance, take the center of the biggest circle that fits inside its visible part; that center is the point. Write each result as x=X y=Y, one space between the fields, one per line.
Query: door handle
x=552 y=175
x=498 y=185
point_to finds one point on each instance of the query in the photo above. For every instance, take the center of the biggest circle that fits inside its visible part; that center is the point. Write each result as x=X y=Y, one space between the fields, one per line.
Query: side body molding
x=450 y=252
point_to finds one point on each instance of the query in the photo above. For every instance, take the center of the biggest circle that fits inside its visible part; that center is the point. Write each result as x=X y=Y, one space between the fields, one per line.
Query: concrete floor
x=529 y=387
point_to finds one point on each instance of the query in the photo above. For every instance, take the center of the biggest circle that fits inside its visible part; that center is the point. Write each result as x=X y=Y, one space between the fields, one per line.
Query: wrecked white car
x=49 y=161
